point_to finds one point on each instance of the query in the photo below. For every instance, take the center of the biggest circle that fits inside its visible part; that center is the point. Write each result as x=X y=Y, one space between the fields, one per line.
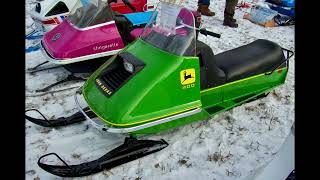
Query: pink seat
x=134 y=34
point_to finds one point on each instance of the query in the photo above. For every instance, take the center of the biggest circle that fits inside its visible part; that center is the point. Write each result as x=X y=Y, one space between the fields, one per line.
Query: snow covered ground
x=232 y=145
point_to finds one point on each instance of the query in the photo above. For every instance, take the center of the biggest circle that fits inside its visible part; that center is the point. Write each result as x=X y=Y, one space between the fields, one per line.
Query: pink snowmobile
x=91 y=32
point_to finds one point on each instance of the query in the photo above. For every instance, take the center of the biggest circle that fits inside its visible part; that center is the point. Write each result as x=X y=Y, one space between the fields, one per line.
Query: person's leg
x=203 y=8
x=205 y=2
x=229 y=13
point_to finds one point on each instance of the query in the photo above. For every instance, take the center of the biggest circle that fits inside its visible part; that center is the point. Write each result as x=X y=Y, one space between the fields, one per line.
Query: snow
x=232 y=145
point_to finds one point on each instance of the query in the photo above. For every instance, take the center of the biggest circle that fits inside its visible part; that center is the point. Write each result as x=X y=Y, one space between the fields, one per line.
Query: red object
x=49 y=21
x=243 y=5
x=124 y=9
x=56 y=20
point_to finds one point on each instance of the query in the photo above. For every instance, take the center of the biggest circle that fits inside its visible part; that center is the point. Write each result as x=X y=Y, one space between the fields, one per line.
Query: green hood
x=156 y=91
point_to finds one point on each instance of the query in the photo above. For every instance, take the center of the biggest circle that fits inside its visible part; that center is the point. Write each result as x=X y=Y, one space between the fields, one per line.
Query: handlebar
x=206 y=32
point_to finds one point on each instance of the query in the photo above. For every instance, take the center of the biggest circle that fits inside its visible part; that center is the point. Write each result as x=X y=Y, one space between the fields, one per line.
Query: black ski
x=132 y=149
x=62 y=121
x=51 y=92
x=70 y=77
x=37 y=69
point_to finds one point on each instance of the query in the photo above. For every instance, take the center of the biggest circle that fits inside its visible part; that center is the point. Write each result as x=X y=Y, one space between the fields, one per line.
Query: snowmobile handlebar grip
x=206 y=32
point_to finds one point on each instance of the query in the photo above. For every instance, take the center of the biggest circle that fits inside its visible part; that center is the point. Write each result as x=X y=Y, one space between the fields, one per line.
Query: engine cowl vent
x=114 y=76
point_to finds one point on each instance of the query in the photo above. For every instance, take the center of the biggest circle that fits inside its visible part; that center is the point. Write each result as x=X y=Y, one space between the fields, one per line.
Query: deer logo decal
x=187 y=76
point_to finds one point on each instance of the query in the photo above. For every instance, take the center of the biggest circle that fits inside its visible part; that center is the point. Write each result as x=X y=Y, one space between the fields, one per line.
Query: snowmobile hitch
x=130 y=150
x=70 y=77
x=62 y=121
x=288 y=56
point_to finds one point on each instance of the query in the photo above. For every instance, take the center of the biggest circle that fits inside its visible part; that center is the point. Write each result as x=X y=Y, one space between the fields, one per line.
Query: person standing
x=203 y=8
x=230 y=7
x=229 y=13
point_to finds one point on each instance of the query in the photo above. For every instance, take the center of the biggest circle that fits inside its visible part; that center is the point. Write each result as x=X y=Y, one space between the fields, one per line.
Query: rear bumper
x=50 y=58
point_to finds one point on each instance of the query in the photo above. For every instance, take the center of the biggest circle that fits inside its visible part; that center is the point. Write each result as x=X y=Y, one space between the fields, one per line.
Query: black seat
x=210 y=74
x=124 y=26
x=255 y=58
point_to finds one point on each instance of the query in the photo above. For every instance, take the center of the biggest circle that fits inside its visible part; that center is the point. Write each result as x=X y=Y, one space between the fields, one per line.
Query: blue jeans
x=204 y=2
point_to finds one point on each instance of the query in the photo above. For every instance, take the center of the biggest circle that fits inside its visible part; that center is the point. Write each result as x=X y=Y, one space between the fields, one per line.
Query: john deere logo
x=55 y=37
x=187 y=76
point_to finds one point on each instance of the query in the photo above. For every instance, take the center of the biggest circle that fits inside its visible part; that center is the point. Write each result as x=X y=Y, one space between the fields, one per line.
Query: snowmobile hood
x=154 y=90
x=66 y=41
x=45 y=7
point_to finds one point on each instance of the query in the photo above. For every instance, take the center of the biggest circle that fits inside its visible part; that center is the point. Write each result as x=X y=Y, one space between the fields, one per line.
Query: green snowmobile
x=167 y=78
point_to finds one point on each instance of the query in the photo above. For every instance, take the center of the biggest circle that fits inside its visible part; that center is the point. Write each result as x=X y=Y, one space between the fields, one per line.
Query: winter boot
x=204 y=10
x=229 y=21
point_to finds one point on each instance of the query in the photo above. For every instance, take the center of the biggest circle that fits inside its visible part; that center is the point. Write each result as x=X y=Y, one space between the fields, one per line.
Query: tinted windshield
x=91 y=13
x=173 y=31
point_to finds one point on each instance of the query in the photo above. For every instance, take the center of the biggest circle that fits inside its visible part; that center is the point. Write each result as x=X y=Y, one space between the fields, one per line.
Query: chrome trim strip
x=154 y=123
x=138 y=127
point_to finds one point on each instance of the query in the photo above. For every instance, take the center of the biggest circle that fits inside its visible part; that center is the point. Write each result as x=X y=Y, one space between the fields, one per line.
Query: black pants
x=230 y=6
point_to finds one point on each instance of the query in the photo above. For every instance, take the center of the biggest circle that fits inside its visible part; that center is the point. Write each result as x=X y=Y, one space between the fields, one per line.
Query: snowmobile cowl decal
x=56 y=37
x=103 y=86
x=107 y=46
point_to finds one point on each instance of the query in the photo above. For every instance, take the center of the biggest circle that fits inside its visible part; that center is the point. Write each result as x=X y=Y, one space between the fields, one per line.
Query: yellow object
x=187 y=76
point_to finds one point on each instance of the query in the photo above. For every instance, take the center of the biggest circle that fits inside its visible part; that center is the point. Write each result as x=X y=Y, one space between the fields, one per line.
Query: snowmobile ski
x=32 y=31
x=35 y=68
x=70 y=77
x=132 y=149
x=51 y=92
x=33 y=48
x=35 y=45
x=47 y=89
x=34 y=37
x=62 y=121
x=34 y=34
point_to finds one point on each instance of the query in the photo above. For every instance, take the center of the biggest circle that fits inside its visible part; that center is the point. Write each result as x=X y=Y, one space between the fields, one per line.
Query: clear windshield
x=173 y=31
x=90 y=12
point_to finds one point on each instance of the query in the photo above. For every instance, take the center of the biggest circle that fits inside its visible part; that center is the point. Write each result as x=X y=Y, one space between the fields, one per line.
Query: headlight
x=128 y=66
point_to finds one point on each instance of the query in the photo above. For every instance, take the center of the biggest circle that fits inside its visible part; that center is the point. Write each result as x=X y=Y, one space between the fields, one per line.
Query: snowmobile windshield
x=173 y=30
x=90 y=13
